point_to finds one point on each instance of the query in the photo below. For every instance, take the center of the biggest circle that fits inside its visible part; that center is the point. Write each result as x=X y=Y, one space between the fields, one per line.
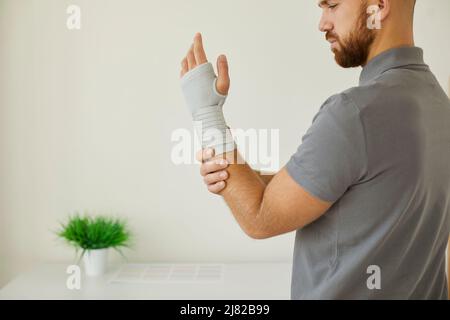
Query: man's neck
x=384 y=43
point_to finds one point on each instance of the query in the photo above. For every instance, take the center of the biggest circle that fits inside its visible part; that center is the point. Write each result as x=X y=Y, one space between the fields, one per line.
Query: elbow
x=257 y=233
x=257 y=236
x=259 y=230
x=260 y=236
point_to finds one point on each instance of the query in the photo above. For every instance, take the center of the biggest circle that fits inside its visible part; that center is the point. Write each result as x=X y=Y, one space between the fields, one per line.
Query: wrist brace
x=205 y=105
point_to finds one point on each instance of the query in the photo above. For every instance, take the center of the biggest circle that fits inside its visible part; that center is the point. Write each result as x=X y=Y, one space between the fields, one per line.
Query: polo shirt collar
x=390 y=59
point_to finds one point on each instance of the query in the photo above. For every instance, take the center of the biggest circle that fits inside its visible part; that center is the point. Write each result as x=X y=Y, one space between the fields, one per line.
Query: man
x=368 y=190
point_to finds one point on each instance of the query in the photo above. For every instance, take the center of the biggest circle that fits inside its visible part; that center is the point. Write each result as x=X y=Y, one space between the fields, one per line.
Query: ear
x=385 y=9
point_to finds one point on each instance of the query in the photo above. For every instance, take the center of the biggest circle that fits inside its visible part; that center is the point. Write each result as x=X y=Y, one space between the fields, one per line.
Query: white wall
x=86 y=116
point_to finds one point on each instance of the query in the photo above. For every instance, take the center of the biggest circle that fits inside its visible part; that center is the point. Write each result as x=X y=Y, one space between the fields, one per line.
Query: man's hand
x=213 y=171
x=205 y=94
x=197 y=56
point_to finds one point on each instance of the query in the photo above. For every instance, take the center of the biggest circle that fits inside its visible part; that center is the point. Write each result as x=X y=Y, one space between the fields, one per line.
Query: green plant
x=90 y=233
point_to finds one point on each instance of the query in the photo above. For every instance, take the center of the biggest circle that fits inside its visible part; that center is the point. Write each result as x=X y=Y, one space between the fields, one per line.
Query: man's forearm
x=243 y=194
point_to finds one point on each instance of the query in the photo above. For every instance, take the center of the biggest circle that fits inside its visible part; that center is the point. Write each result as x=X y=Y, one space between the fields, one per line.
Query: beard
x=354 y=49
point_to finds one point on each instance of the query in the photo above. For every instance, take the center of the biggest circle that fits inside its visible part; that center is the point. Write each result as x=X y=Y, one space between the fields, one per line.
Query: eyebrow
x=322 y=3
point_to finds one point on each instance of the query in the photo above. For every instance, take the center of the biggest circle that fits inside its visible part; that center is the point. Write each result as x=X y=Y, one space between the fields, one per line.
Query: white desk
x=239 y=281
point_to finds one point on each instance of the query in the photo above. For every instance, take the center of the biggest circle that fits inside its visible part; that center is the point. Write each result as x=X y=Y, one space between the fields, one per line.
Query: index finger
x=204 y=154
x=199 y=52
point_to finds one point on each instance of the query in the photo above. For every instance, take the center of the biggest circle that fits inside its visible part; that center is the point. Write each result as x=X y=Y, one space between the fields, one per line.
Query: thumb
x=223 y=79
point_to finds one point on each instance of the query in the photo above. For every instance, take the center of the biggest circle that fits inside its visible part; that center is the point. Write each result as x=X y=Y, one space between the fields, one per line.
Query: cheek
x=344 y=23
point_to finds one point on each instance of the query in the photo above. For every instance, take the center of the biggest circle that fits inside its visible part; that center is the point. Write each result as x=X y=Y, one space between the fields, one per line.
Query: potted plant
x=94 y=236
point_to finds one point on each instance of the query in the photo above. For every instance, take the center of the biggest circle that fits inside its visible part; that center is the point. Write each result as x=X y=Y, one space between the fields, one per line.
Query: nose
x=325 y=24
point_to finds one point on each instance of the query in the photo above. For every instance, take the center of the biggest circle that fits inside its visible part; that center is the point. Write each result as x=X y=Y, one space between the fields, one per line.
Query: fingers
x=196 y=55
x=191 y=58
x=213 y=172
x=215 y=177
x=222 y=66
x=184 y=67
x=223 y=79
x=213 y=166
x=216 y=188
x=199 y=52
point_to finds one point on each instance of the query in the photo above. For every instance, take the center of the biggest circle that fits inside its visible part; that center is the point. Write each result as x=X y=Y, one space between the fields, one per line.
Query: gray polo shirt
x=381 y=153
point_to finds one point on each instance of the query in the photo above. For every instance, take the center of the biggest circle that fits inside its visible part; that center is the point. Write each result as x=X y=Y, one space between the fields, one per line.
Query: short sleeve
x=332 y=155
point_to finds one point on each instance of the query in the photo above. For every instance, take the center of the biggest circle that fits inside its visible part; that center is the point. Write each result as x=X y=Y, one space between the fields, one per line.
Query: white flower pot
x=95 y=262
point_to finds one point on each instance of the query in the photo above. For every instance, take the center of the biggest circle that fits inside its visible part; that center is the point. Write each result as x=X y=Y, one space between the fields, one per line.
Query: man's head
x=351 y=26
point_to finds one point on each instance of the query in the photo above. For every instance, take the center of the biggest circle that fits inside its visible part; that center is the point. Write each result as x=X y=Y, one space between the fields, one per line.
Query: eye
x=332 y=6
